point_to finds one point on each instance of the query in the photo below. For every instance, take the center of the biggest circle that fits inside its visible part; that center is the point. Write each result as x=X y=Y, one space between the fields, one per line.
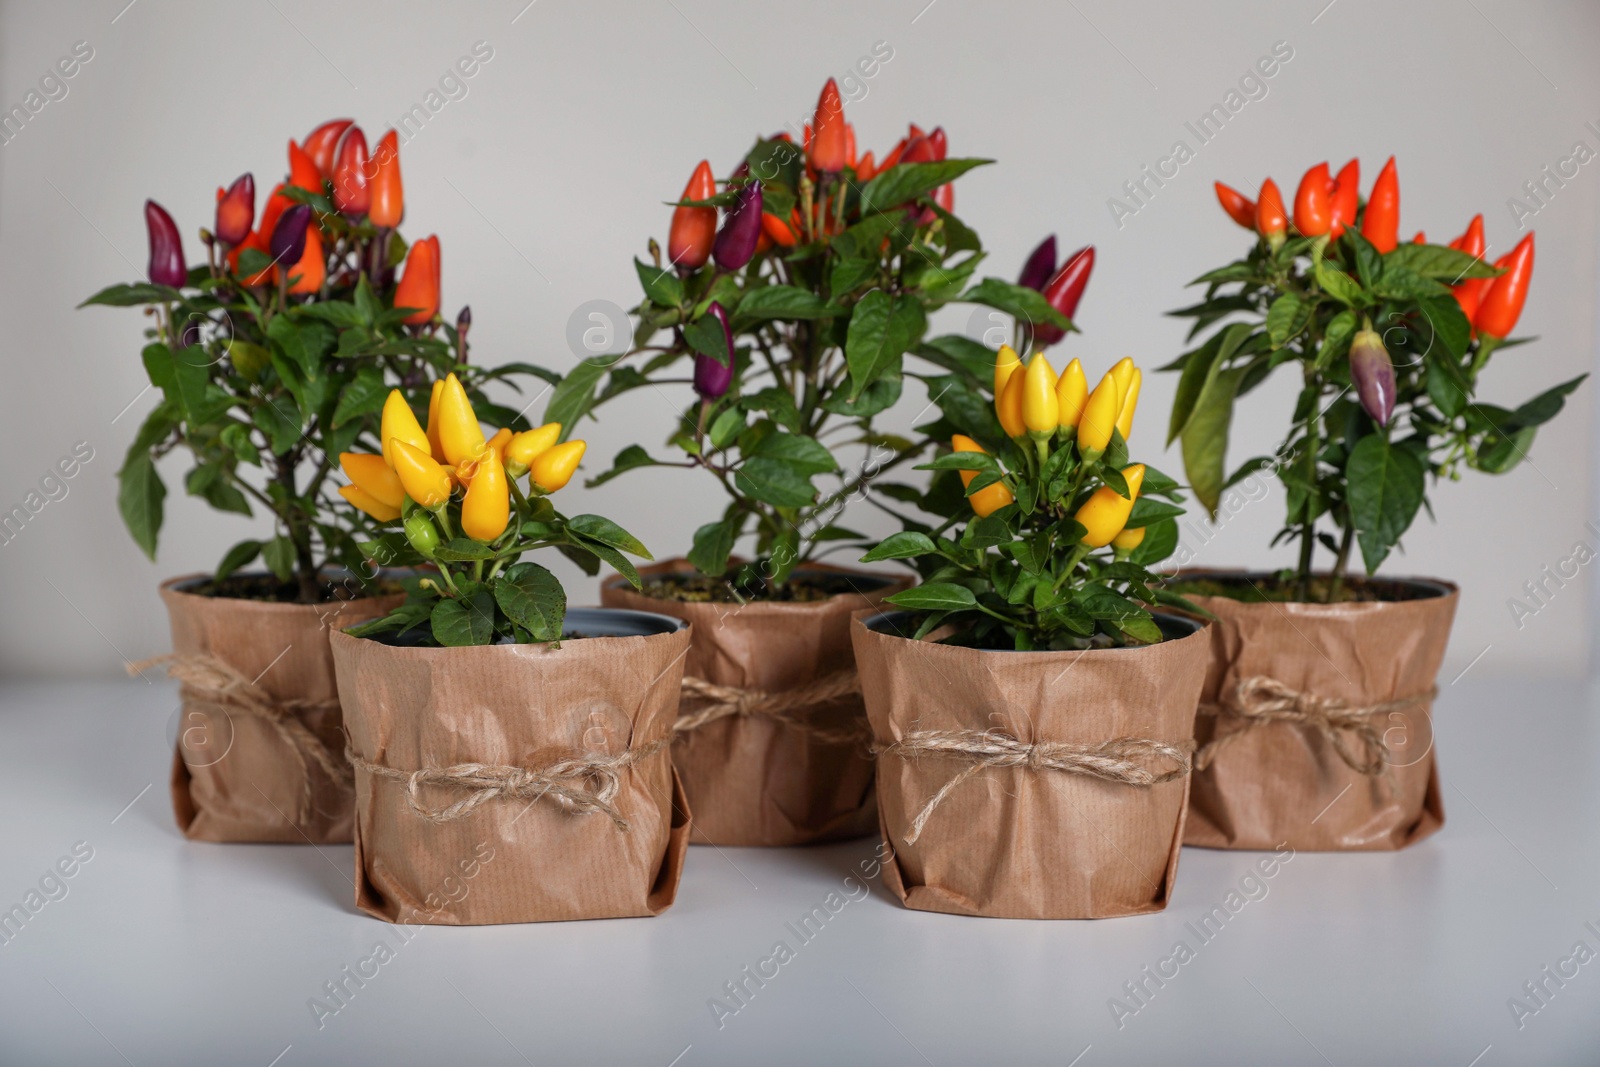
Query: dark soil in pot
x=802 y=587
x=269 y=589
x=1268 y=587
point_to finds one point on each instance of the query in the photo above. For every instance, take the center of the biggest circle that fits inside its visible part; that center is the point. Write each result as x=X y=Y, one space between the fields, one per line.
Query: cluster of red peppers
x=1327 y=204
x=298 y=238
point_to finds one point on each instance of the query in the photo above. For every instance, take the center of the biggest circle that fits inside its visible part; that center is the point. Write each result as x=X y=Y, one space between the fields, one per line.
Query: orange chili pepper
x=829 y=143
x=419 y=285
x=303 y=172
x=1240 y=208
x=866 y=167
x=312 y=269
x=387 y=192
x=1502 y=304
x=777 y=231
x=1343 y=198
x=1469 y=294
x=1270 y=220
x=694 y=229
x=1313 y=206
x=1381 y=223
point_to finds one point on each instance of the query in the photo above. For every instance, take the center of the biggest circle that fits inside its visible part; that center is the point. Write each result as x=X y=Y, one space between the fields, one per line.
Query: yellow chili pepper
x=528 y=444
x=399 y=422
x=1130 y=401
x=1008 y=406
x=1123 y=373
x=369 y=503
x=554 y=467
x=498 y=442
x=989 y=499
x=1039 y=405
x=1106 y=511
x=1072 y=393
x=434 y=444
x=1128 y=540
x=1006 y=364
x=426 y=482
x=487 y=508
x=1099 y=418
x=373 y=476
x=459 y=433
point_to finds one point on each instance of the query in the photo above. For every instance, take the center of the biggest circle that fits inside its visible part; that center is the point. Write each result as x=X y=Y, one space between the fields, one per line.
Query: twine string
x=718 y=702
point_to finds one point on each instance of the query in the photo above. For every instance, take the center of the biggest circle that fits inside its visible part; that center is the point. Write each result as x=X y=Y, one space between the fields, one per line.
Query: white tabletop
x=164 y=951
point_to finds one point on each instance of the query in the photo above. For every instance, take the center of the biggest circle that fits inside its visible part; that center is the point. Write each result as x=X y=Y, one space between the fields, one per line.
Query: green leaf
x=250 y=360
x=363 y=396
x=725 y=428
x=278 y=554
x=126 y=296
x=275 y=424
x=705 y=336
x=783 y=302
x=1547 y=405
x=905 y=182
x=713 y=543
x=774 y=482
x=628 y=459
x=1447 y=387
x=879 y=396
x=661 y=285
x=1398 y=283
x=805 y=454
x=963 y=461
x=962 y=355
x=1199 y=370
x=607 y=554
x=599 y=528
x=1148 y=511
x=1449 y=323
x=237 y=557
x=1283 y=317
x=903 y=545
x=339 y=313
x=1205 y=435
x=848 y=274
x=1160 y=541
x=1336 y=338
x=307 y=342
x=1021 y=303
x=1386 y=485
x=139 y=497
x=469 y=621
x=868 y=349
x=934 y=596
x=573 y=398
x=532 y=598
x=1335 y=282
x=1437 y=261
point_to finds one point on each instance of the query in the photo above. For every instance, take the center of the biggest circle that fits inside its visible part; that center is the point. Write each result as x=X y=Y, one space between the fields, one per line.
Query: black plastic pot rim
x=1433 y=586
x=590 y=623
x=1173 y=627
x=331 y=574
x=866 y=583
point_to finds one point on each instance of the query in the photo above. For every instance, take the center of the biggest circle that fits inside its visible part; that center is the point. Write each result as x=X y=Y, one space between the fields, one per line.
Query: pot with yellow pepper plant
x=483 y=710
x=797 y=316
x=1032 y=717
x=1315 y=725
x=268 y=361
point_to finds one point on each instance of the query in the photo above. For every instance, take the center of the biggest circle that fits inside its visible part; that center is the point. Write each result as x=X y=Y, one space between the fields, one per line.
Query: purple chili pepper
x=166 y=247
x=191 y=334
x=712 y=379
x=288 y=242
x=741 y=229
x=1041 y=265
x=1373 y=374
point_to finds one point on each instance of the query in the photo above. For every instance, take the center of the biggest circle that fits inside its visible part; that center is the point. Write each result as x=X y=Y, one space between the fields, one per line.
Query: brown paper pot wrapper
x=1021 y=842
x=514 y=858
x=752 y=780
x=1286 y=783
x=235 y=775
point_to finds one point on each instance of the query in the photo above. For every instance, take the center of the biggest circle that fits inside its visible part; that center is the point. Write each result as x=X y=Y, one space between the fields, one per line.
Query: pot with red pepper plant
x=270 y=363
x=797 y=315
x=1315 y=725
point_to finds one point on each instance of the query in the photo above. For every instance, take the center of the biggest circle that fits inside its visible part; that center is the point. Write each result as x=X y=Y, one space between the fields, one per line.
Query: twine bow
x=1259 y=700
x=207 y=680
x=724 y=701
x=1125 y=760
x=582 y=784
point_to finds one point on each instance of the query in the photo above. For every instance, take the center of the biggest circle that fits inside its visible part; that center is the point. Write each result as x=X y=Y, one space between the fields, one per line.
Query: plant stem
x=1341 y=566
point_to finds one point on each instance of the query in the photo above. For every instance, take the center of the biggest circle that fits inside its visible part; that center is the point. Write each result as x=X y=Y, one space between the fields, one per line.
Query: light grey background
x=550 y=174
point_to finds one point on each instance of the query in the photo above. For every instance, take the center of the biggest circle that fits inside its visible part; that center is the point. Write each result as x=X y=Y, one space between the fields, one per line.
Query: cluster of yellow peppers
x=429 y=465
x=1033 y=403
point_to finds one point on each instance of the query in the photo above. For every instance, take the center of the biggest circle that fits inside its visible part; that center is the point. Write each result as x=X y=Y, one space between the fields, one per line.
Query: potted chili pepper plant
x=796 y=316
x=1316 y=718
x=1032 y=717
x=482 y=710
x=271 y=360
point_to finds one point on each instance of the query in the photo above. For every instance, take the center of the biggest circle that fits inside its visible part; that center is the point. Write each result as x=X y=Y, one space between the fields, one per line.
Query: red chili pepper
x=1343 y=199
x=1240 y=208
x=303 y=172
x=1270 y=219
x=321 y=142
x=866 y=167
x=1063 y=293
x=776 y=230
x=1469 y=293
x=894 y=154
x=1381 y=223
x=352 y=170
x=419 y=285
x=1502 y=304
x=938 y=141
x=1420 y=239
x=694 y=229
x=1313 y=206
x=827 y=149
x=849 y=145
x=166 y=247
x=916 y=131
x=388 y=193
x=918 y=150
x=312 y=268
x=236 y=210
x=945 y=197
